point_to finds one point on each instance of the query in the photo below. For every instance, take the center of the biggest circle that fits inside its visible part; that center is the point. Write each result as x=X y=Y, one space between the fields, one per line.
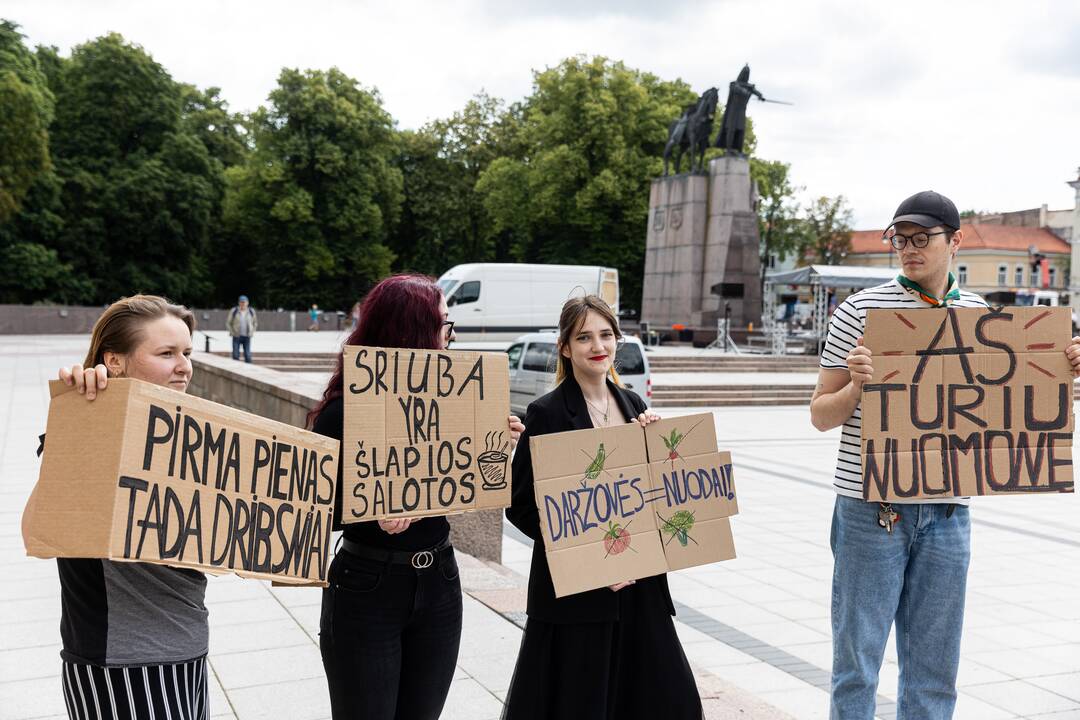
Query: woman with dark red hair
x=389 y=631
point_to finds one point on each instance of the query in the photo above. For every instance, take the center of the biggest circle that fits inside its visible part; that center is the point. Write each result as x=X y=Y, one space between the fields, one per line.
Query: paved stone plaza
x=755 y=628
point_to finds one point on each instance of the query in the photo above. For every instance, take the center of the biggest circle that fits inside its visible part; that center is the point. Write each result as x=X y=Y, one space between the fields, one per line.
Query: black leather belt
x=418 y=559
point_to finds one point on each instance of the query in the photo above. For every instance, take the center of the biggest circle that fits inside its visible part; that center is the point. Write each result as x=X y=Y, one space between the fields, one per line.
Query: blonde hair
x=571 y=319
x=119 y=328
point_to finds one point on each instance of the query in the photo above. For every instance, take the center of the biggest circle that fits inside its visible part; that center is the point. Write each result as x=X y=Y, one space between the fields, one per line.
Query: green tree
x=444 y=221
x=781 y=230
x=314 y=205
x=204 y=114
x=592 y=139
x=827 y=231
x=139 y=189
x=30 y=212
x=27 y=111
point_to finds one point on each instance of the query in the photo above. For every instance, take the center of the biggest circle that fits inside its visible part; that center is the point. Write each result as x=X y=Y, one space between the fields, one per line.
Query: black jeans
x=389 y=636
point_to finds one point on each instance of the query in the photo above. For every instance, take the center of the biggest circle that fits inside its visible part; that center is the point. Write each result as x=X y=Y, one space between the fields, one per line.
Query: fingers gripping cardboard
x=622 y=503
x=967 y=401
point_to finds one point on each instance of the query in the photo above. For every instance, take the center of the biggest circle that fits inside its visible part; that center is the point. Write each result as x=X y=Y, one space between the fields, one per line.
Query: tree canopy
x=118 y=178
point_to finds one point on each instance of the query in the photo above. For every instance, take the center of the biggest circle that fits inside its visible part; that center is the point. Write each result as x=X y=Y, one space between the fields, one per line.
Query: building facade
x=995 y=261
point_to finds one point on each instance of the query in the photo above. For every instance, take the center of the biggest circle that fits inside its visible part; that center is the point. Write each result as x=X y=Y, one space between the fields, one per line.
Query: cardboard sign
x=145 y=473
x=622 y=503
x=425 y=432
x=967 y=401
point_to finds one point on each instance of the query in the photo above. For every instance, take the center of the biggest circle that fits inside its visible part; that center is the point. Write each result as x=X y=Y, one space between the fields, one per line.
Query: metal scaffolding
x=823 y=280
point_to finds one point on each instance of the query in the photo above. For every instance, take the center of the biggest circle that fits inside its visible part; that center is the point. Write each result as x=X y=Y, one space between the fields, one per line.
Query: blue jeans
x=915 y=577
x=241 y=342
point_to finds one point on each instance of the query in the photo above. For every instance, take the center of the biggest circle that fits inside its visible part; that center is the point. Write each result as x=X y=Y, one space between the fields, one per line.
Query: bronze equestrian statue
x=691 y=132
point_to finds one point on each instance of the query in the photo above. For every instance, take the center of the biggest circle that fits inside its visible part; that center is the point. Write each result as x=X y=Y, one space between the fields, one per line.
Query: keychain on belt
x=886 y=516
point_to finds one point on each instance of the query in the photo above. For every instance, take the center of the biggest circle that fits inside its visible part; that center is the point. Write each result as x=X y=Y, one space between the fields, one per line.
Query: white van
x=518 y=297
x=1047 y=298
x=532 y=368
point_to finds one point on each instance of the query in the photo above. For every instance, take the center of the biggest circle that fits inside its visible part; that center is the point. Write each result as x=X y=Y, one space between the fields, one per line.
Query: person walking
x=241 y=324
x=611 y=653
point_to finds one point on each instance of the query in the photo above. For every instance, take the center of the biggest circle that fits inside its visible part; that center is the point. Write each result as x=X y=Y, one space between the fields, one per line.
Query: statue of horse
x=691 y=132
x=677 y=140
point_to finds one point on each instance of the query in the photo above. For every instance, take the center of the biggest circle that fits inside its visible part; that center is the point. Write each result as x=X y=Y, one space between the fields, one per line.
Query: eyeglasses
x=919 y=239
x=448 y=329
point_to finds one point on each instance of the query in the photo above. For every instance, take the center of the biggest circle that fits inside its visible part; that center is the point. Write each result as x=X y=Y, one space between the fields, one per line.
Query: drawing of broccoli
x=679 y=526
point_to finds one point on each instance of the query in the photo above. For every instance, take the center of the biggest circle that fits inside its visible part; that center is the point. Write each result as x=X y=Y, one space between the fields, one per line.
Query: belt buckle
x=422 y=560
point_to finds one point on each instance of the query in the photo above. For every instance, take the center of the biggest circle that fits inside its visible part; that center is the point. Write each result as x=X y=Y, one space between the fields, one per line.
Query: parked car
x=520 y=297
x=533 y=360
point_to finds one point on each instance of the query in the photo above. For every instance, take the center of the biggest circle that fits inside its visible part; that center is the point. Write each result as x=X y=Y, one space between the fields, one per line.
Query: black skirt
x=632 y=668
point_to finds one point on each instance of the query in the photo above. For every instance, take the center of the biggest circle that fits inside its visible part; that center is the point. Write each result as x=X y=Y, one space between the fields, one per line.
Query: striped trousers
x=151 y=692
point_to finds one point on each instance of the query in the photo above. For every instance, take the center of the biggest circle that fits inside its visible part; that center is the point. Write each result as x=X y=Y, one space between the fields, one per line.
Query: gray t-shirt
x=123 y=613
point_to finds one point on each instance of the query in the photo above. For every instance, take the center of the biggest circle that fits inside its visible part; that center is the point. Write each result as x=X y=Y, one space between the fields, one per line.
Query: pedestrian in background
x=241 y=325
x=314 y=313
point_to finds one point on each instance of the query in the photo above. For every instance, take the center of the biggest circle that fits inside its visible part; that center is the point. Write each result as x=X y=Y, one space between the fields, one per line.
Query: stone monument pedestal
x=702 y=234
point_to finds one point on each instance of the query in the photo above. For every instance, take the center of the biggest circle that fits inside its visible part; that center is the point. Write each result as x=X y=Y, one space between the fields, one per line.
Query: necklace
x=604 y=412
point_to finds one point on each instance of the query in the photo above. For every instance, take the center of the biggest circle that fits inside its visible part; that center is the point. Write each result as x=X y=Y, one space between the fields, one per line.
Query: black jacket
x=564 y=409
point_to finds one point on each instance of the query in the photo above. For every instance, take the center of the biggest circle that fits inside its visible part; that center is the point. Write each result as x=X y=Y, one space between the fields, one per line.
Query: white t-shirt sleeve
x=845 y=328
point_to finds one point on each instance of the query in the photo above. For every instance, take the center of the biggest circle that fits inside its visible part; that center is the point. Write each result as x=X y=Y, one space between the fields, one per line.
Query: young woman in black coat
x=608 y=653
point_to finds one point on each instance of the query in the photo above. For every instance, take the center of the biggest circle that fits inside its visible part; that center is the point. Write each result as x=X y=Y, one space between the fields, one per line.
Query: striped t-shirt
x=846 y=327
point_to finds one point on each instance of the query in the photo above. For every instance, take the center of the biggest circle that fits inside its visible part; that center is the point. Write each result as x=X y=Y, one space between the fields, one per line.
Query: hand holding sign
x=86 y=381
x=1073 y=353
x=647 y=417
x=860 y=365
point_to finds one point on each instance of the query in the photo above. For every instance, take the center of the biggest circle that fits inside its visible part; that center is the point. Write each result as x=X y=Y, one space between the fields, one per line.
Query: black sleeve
x=331 y=423
x=522 y=512
x=638 y=403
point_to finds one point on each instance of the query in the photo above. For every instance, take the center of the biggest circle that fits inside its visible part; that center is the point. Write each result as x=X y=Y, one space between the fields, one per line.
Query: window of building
x=1018 y=278
x=961 y=275
x=1053 y=277
x=1003 y=275
x=1035 y=277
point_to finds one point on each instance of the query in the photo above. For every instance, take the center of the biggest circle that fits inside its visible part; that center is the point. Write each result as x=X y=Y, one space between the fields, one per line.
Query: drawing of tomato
x=616 y=539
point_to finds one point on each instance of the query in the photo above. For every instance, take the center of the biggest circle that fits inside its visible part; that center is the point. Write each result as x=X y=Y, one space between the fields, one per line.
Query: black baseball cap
x=928 y=208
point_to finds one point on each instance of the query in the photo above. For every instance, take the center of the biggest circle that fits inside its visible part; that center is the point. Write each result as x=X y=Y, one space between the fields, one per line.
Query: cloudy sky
x=978 y=100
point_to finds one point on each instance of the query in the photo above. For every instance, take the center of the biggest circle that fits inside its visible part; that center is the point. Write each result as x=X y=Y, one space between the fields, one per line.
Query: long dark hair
x=402 y=311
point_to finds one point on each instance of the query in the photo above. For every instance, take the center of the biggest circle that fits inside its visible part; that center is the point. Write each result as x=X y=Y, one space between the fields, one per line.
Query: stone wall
x=287 y=398
x=79 y=319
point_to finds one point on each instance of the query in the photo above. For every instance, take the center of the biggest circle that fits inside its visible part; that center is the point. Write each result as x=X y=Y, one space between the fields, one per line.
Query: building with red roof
x=995 y=261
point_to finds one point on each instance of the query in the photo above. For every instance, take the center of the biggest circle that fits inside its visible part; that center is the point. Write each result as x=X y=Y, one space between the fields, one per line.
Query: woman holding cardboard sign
x=607 y=653
x=135 y=635
x=391 y=616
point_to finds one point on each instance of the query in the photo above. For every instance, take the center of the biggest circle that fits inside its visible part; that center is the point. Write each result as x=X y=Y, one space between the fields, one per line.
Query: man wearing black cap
x=911 y=570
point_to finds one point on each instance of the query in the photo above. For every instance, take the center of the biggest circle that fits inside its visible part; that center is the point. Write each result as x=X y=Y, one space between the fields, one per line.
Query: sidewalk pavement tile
x=261 y=667
x=301 y=699
x=1018 y=696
